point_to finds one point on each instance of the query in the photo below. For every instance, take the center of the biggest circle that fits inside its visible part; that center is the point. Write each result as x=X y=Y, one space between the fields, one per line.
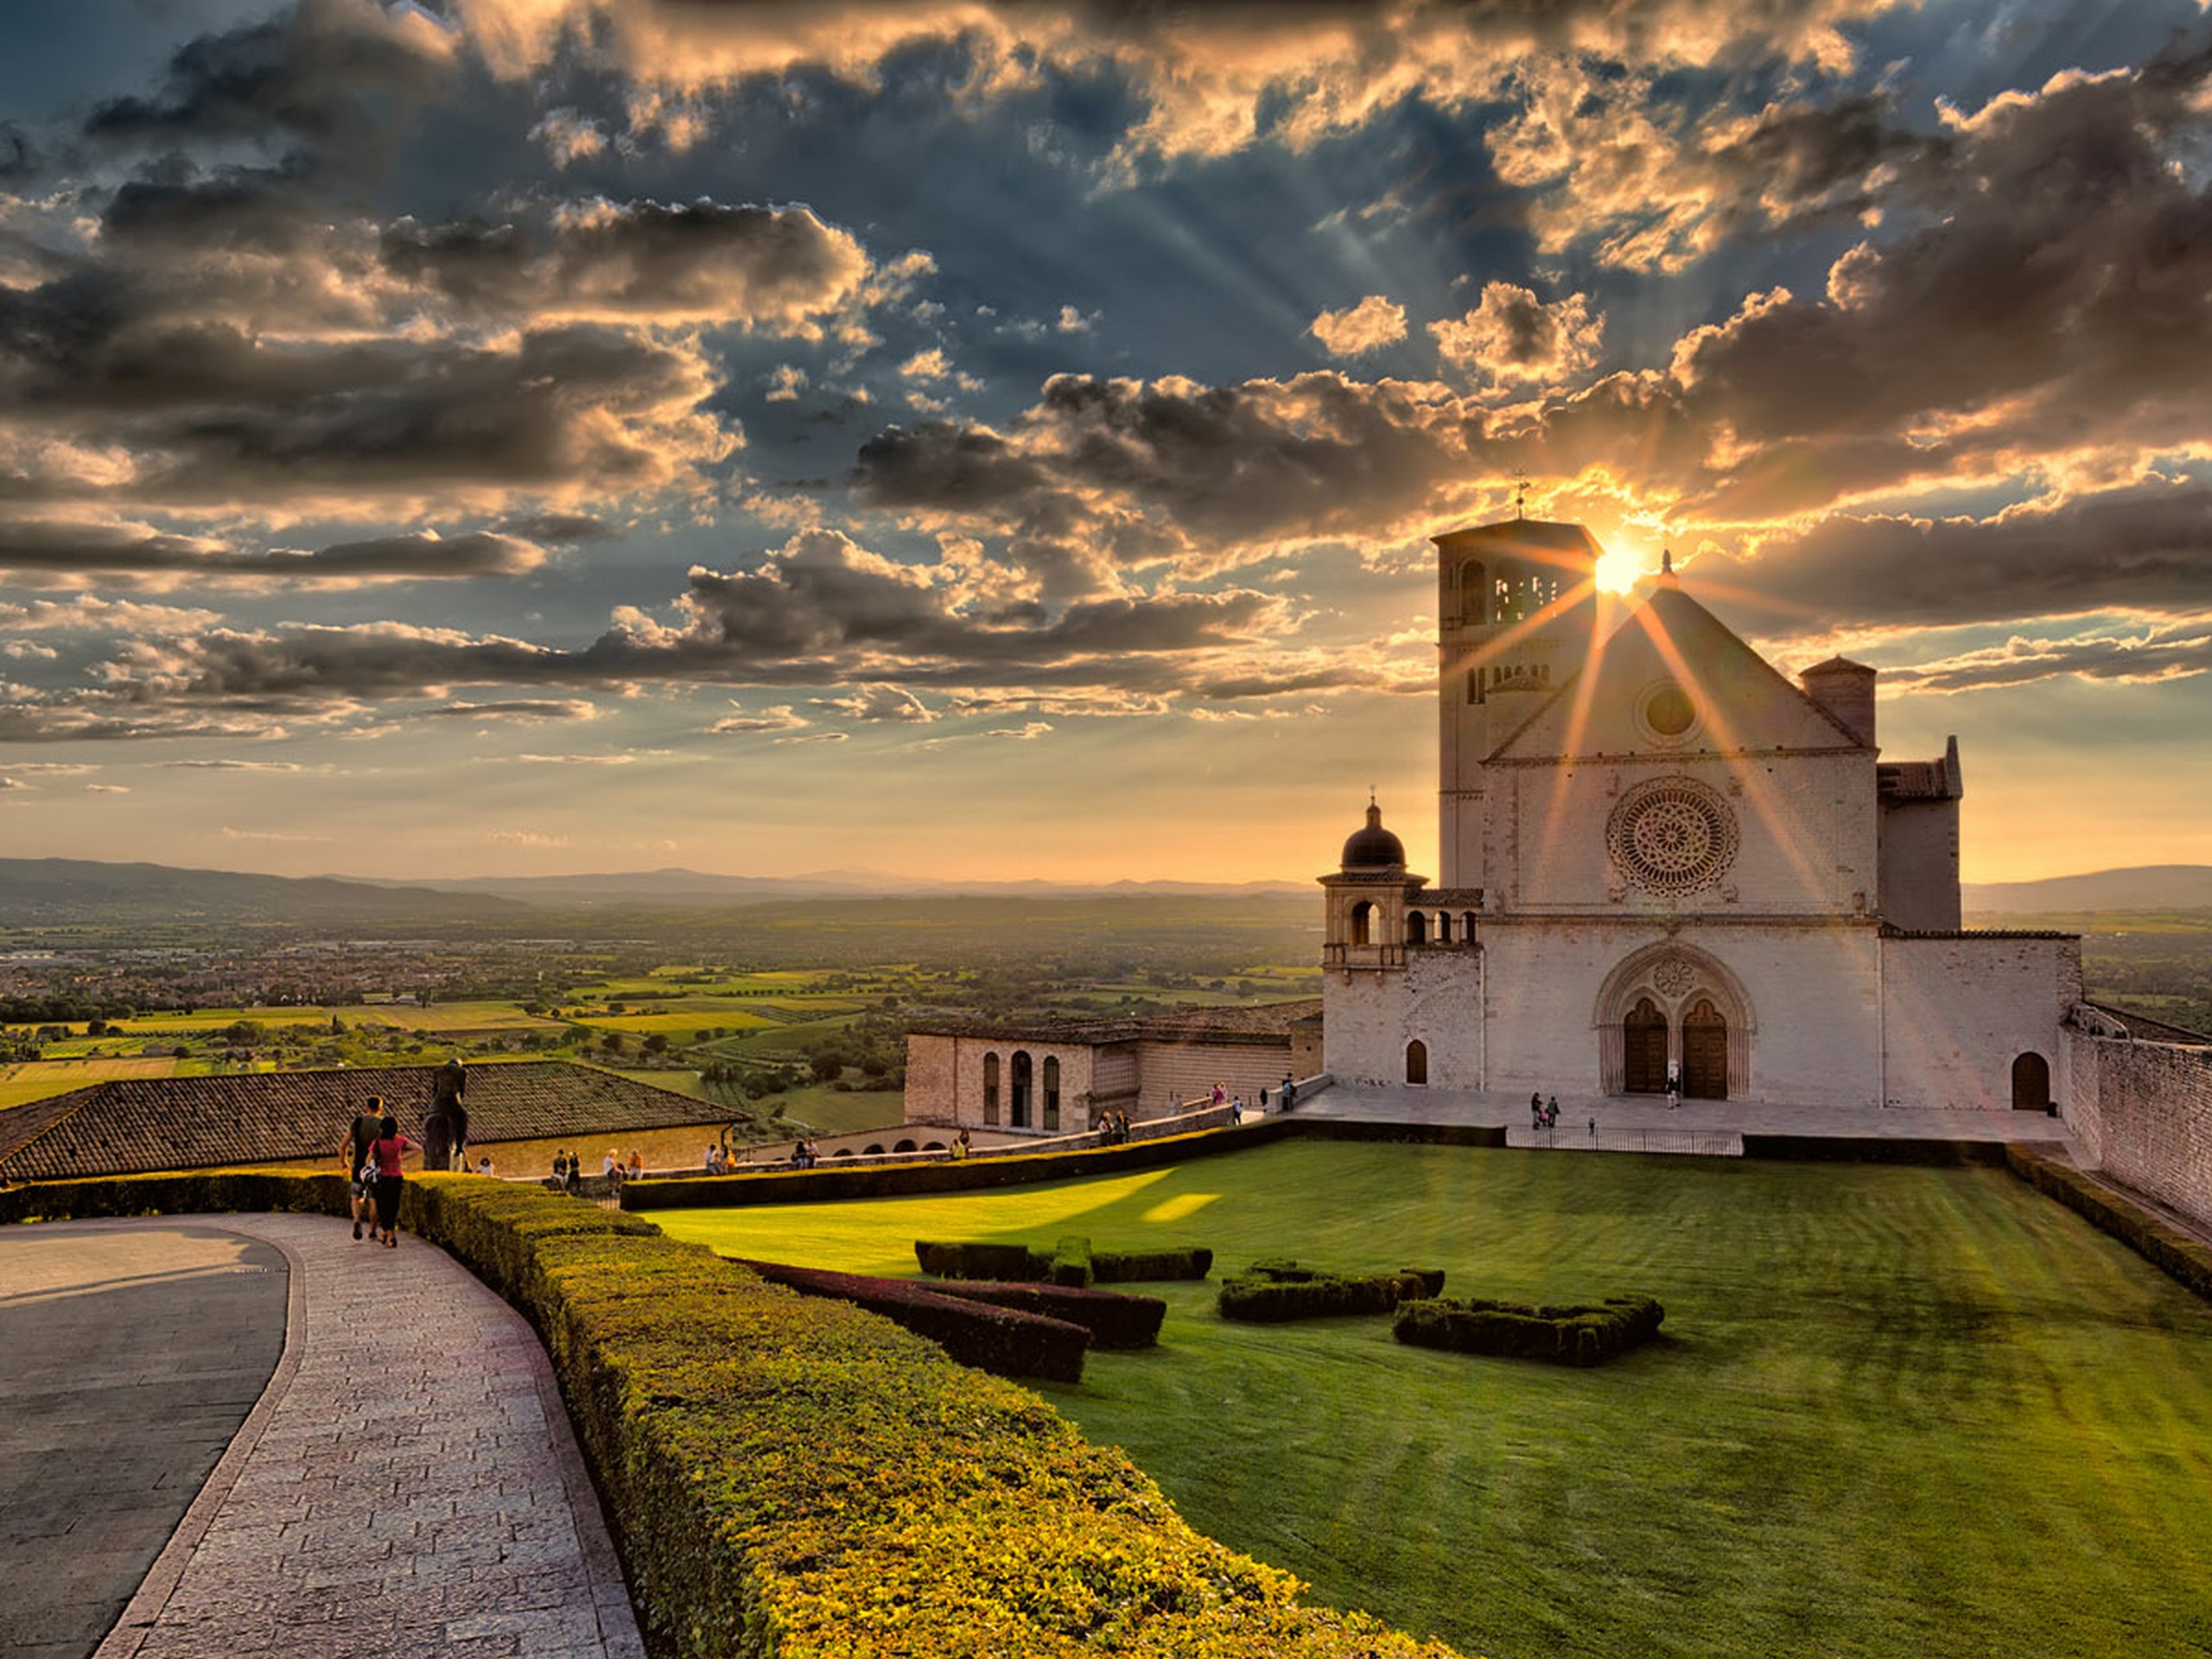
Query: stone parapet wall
x=2144 y=1112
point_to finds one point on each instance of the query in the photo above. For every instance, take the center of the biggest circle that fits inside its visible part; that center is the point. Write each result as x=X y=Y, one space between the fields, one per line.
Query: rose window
x=1672 y=836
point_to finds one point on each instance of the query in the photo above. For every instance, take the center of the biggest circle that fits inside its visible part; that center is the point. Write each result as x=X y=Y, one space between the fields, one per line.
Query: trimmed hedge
x=1005 y=1341
x=1578 y=1335
x=1114 y=1319
x=978 y=1259
x=792 y=1478
x=1144 y=1267
x=1269 y=1292
x=1935 y=1151
x=1071 y=1264
x=1020 y=1264
x=2182 y=1256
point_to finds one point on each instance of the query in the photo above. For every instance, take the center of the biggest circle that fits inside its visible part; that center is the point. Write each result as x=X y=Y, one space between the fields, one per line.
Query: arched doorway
x=1416 y=927
x=990 y=1088
x=1021 y=1086
x=1417 y=1061
x=2030 y=1084
x=1051 y=1092
x=1705 y=1052
x=1643 y=1044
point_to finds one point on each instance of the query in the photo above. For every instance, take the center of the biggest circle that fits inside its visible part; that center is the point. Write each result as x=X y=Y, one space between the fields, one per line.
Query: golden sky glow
x=544 y=436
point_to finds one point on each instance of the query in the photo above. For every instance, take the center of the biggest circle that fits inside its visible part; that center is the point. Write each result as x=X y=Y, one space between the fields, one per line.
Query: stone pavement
x=1622 y=1119
x=129 y=1360
x=407 y=1485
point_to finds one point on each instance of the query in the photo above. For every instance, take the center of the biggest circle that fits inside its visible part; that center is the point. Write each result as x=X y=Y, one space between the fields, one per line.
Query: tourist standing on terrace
x=390 y=1149
x=445 y=1128
x=353 y=1148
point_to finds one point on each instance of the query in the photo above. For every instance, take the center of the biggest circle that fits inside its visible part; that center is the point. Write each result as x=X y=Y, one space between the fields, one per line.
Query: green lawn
x=1893 y=1411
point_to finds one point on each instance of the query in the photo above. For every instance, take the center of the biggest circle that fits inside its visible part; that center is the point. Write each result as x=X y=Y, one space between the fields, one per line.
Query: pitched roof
x=1741 y=701
x=128 y=1125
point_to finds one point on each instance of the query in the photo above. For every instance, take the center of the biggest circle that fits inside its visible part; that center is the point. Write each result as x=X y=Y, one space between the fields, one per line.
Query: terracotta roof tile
x=132 y=1124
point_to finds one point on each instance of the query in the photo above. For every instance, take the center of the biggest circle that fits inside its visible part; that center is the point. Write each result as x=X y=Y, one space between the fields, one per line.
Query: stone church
x=1660 y=856
x=1660 y=861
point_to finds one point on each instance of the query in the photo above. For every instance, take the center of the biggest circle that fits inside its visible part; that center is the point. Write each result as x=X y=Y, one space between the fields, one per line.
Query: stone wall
x=1958 y=1010
x=2143 y=1111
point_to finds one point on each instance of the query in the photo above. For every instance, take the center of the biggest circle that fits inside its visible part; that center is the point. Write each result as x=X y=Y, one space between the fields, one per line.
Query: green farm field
x=1892 y=1411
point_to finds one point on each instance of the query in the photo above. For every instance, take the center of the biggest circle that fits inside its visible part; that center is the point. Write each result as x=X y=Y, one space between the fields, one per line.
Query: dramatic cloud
x=2142 y=549
x=1374 y=322
x=106 y=551
x=1513 y=336
x=780 y=270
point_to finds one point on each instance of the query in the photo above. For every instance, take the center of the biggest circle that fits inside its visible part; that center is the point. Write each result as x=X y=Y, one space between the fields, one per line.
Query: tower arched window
x=1363 y=923
x=1474 y=594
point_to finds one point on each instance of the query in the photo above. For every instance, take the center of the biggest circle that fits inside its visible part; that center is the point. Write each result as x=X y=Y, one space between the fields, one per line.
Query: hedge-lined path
x=408 y=1484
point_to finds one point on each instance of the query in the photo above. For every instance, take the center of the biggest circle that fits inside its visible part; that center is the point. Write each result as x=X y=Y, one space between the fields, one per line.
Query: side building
x=1063 y=1077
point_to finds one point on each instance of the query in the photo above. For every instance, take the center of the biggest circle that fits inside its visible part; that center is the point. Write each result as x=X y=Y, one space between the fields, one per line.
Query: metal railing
x=1689 y=1143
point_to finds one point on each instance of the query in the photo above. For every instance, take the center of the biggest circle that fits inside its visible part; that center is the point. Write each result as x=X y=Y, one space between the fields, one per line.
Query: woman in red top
x=388 y=1148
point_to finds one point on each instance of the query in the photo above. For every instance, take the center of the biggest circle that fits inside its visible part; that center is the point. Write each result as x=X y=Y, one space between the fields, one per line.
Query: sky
x=993 y=441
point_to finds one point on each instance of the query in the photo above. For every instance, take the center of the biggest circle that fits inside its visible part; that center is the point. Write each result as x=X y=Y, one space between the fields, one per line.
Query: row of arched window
x=1422 y=927
x=1022 y=1076
x=1512 y=595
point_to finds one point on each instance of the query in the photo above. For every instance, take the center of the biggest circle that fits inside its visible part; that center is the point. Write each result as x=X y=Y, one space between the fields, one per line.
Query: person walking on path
x=389 y=1151
x=368 y=1123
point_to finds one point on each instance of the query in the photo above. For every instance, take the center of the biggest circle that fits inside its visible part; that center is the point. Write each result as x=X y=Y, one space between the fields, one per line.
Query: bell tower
x=1514 y=603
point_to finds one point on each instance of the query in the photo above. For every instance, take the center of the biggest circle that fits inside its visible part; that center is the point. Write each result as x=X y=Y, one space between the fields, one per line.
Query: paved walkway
x=407 y=1485
x=1622 y=1118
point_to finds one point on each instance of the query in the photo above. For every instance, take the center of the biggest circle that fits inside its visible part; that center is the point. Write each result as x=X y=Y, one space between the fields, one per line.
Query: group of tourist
x=375 y=1152
x=805 y=1154
x=1543 y=1114
x=1113 y=1128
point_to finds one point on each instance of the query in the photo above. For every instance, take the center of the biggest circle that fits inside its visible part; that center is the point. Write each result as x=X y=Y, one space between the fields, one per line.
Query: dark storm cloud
x=279 y=211
x=328 y=74
x=824 y=613
x=213 y=410
x=562 y=529
x=2059 y=275
x=1103 y=473
x=2148 y=549
x=757 y=266
x=45 y=545
x=943 y=464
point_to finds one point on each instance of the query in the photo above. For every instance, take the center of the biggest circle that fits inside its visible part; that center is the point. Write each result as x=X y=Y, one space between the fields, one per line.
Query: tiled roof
x=1271 y=1021
x=132 y=1124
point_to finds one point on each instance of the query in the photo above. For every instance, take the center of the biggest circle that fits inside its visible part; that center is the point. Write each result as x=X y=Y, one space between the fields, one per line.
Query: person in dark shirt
x=445 y=1126
x=354 y=1149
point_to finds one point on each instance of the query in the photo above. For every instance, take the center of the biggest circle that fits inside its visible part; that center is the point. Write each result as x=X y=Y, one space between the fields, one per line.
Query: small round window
x=1668 y=710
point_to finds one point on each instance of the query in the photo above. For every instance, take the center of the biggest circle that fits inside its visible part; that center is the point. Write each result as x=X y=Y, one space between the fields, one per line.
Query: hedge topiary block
x=1276 y=1290
x=1574 y=1335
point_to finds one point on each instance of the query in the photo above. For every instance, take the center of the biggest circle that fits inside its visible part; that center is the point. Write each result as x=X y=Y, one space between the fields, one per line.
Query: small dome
x=1374 y=847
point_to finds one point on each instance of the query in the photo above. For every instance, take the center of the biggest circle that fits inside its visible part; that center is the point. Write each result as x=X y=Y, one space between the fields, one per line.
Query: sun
x=1617 y=570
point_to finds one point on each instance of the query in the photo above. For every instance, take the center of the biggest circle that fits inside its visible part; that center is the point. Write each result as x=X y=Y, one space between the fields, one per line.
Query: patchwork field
x=1892 y=1411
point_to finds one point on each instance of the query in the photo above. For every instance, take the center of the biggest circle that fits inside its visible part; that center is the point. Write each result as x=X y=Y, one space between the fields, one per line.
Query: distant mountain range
x=61 y=891
x=690 y=887
x=2146 y=887
x=43 y=892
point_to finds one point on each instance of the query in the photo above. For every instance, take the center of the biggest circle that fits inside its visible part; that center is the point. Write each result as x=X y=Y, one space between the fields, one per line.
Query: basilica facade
x=1662 y=862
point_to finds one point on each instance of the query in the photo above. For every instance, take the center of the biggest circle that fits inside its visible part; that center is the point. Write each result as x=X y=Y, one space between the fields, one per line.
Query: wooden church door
x=1644 y=1037
x=1705 y=1053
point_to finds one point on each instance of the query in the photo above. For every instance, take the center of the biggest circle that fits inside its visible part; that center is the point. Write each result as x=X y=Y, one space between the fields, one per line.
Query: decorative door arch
x=1417 y=1061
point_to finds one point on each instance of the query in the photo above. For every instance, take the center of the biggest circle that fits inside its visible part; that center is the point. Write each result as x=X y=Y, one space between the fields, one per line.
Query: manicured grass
x=1892 y=1411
